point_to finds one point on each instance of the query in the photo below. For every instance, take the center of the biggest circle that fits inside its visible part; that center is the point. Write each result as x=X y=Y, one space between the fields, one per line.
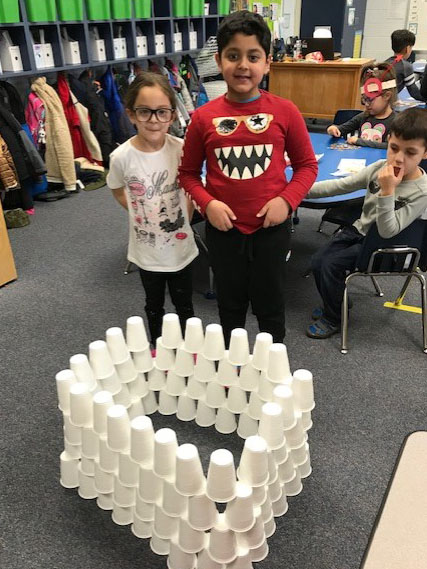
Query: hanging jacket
x=122 y=128
x=8 y=175
x=11 y=101
x=59 y=147
x=35 y=116
x=88 y=136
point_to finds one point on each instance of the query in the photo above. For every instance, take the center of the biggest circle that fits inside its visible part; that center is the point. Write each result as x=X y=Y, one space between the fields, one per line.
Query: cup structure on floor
x=126 y=370
x=263 y=341
x=204 y=370
x=165 y=446
x=255 y=536
x=69 y=471
x=278 y=369
x=128 y=470
x=122 y=516
x=143 y=361
x=253 y=467
x=205 y=416
x=102 y=401
x=173 y=503
x=79 y=364
x=159 y=545
x=105 y=501
x=303 y=388
x=117 y=345
x=150 y=487
x=189 y=539
x=111 y=383
x=254 y=409
x=175 y=384
x=205 y=562
x=243 y=559
x=227 y=372
x=164 y=526
x=144 y=510
x=247 y=426
x=81 y=413
x=194 y=337
x=136 y=336
x=260 y=552
x=156 y=379
x=184 y=362
x=215 y=395
x=221 y=479
x=283 y=395
x=249 y=377
x=225 y=421
x=236 y=399
x=168 y=404
x=165 y=357
x=87 y=466
x=100 y=359
x=178 y=559
x=271 y=425
x=118 y=428
x=238 y=353
x=186 y=409
x=189 y=477
x=86 y=488
x=202 y=512
x=64 y=380
x=239 y=513
x=124 y=496
x=141 y=528
x=196 y=389
x=171 y=331
x=213 y=347
x=222 y=543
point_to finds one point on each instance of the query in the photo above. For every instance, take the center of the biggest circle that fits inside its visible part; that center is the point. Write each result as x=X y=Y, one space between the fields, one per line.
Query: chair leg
x=422 y=280
x=399 y=299
x=377 y=286
x=344 y=321
x=128 y=268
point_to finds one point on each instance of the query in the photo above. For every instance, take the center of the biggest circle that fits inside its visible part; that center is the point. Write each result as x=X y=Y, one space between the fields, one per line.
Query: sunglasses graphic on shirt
x=255 y=123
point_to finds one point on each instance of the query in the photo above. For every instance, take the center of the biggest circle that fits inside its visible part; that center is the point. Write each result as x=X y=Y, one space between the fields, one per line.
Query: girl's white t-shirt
x=160 y=236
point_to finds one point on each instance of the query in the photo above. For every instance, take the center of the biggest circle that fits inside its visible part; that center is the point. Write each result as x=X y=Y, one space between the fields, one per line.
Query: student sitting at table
x=378 y=94
x=396 y=195
x=402 y=42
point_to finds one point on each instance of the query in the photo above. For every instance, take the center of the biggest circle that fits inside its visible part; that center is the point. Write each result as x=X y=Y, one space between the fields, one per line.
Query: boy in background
x=247 y=200
x=402 y=42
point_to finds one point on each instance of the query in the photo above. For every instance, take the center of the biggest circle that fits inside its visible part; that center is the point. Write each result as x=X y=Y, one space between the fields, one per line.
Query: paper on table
x=349 y=166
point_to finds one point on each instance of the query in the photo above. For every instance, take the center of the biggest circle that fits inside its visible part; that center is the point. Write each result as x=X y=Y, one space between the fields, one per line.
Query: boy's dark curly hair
x=247 y=23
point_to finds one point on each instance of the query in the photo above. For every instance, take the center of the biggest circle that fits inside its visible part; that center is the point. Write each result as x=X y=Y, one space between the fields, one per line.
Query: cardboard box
x=141 y=46
x=7 y=264
x=177 y=41
x=10 y=55
x=48 y=59
x=71 y=52
x=159 y=43
x=98 y=50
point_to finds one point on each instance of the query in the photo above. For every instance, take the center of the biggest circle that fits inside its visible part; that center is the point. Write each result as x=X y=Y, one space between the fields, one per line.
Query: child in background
x=402 y=42
x=247 y=200
x=396 y=195
x=372 y=125
x=142 y=176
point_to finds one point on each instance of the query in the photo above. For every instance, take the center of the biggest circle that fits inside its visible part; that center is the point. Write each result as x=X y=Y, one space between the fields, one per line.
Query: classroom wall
x=381 y=19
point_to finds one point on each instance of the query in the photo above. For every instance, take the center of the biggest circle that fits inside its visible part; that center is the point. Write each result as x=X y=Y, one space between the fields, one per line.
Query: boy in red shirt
x=247 y=200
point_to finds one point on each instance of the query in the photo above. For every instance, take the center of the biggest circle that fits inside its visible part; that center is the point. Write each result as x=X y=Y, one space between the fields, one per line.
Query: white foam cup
x=164 y=526
x=299 y=454
x=280 y=506
x=303 y=389
x=121 y=515
x=141 y=528
x=184 y=362
x=69 y=471
x=294 y=486
x=246 y=426
x=139 y=386
x=278 y=364
x=205 y=562
x=266 y=509
x=238 y=353
x=270 y=528
x=136 y=336
x=253 y=466
x=144 y=510
x=189 y=478
x=156 y=379
x=81 y=414
x=227 y=372
x=213 y=347
x=271 y=425
x=80 y=366
x=205 y=415
x=124 y=496
x=273 y=470
x=73 y=451
x=108 y=459
x=222 y=544
x=286 y=470
x=263 y=341
x=295 y=436
x=159 y=545
x=90 y=443
x=111 y=383
x=239 y=513
x=281 y=454
x=221 y=479
x=87 y=466
x=143 y=360
x=189 y=539
x=118 y=428
x=165 y=357
x=123 y=397
x=243 y=559
x=255 y=536
x=173 y=503
x=128 y=470
x=202 y=512
x=307 y=422
x=126 y=370
x=186 y=410
x=255 y=406
x=64 y=380
x=171 y=331
x=275 y=490
x=305 y=467
x=236 y=399
x=86 y=488
x=259 y=494
x=249 y=377
x=150 y=403
x=265 y=388
x=136 y=409
x=72 y=433
x=150 y=487
x=100 y=359
x=204 y=370
x=175 y=384
x=195 y=389
x=102 y=401
x=225 y=421
x=178 y=559
x=105 y=501
x=116 y=345
x=283 y=395
x=215 y=395
x=194 y=338
x=165 y=445
x=167 y=403
x=104 y=481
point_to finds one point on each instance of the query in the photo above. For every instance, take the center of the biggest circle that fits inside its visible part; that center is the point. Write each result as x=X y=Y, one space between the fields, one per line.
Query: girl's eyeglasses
x=143 y=114
x=366 y=100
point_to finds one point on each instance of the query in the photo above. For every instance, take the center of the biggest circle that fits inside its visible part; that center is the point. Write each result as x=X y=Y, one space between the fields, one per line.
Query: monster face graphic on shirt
x=248 y=161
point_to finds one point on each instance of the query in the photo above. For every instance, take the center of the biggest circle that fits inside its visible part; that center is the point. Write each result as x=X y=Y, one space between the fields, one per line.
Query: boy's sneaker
x=322 y=329
x=318 y=313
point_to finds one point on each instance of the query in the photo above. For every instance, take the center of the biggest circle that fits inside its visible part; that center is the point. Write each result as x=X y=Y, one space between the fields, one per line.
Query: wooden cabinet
x=319 y=89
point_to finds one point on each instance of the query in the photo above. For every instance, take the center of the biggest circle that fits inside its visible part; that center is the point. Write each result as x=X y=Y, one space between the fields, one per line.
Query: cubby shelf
x=163 y=22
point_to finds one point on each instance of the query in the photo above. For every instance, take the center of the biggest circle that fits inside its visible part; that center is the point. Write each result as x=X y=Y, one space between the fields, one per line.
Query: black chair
x=344 y=115
x=401 y=255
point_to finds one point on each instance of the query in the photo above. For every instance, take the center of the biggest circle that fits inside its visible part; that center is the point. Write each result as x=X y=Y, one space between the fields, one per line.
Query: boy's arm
x=409 y=81
x=345 y=185
x=370 y=143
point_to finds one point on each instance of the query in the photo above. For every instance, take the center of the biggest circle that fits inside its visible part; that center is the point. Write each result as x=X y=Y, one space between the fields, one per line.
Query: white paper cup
x=294 y=486
x=225 y=422
x=186 y=410
x=259 y=494
x=168 y=404
x=305 y=468
x=118 y=428
x=156 y=379
x=184 y=362
x=273 y=470
x=283 y=395
x=105 y=501
x=173 y=503
x=136 y=336
x=194 y=338
x=111 y=383
x=143 y=510
x=136 y=409
x=263 y=341
x=150 y=403
x=189 y=539
x=126 y=370
x=299 y=454
x=254 y=409
x=239 y=513
x=236 y=399
x=72 y=451
x=307 y=422
x=165 y=357
x=215 y=395
x=249 y=377
x=124 y=496
x=116 y=345
x=150 y=487
x=80 y=366
x=255 y=536
x=221 y=479
x=108 y=459
x=195 y=388
x=123 y=397
x=165 y=445
x=159 y=545
x=104 y=481
x=143 y=360
x=295 y=436
x=270 y=528
x=243 y=559
x=64 y=380
x=247 y=426
x=253 y=467
x=265 y=388
x=205 y=415
x=227 y=373
x=286 y=470
x=171 y=331
x=102 y=401
x=260 y=552
x=222 y=544
x=190 y=479
x=69 y=471
x=86 y=489
x=72 y=433
x=128 y=470
x=266 y=509
x=205 y=562
x=141 y=528
x=281 y=454
x=122 y=516
x=202 y=512
x=178 y=559
x=275 y=490
x=303 y=389
x=278 y=369
x=204 y=370
x=238 y=353
x=213 y=347
x=81 y=414
x=90 y=443
x=87 y=466
x=271 y=425
x=164 y=526
x=280 y=507
x=100 y=359
x=139 y=386
x=175 y=384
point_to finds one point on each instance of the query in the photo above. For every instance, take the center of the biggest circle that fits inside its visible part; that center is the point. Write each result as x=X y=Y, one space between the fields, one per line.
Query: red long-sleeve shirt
x=244 y=145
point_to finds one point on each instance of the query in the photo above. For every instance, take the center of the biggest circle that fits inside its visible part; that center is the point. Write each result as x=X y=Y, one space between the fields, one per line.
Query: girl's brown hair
x=384 y=72
x=148 y=79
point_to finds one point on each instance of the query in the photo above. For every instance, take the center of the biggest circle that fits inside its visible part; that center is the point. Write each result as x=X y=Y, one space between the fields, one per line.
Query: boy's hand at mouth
x=389 y=178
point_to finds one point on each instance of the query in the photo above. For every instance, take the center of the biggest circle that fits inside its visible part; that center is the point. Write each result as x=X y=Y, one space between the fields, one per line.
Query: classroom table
x=405 y=101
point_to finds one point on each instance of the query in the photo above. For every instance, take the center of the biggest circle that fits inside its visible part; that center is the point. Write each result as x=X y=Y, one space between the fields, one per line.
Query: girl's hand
x=352 y=139
x=389 y=178
x=220 y=215
x=276 y=211
x=333 y=130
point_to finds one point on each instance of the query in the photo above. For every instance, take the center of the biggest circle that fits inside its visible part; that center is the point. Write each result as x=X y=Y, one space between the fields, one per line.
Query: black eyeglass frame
x=153 y=112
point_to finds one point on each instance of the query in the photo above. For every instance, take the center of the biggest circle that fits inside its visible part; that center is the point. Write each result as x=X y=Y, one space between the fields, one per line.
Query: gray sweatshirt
x=391 y=213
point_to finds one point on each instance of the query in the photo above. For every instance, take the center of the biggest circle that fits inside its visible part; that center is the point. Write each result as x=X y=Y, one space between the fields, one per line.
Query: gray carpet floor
x=71 y=288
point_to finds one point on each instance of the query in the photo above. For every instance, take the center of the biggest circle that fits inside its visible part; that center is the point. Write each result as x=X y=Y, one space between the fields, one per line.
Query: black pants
x=181 y=291
x=330 y=265
x=250 y=269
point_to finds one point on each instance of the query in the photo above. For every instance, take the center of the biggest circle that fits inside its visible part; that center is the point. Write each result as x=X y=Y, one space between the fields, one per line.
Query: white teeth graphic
x=217 y=152
x=259 y=149
x=226 y=171
x=221 y=165
x=237 y=150
x=235 y=174
x=248 y=150
x=269 y=148
x=246 y=174
x=266 y=163
x=227 y=151
x=258 y=171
